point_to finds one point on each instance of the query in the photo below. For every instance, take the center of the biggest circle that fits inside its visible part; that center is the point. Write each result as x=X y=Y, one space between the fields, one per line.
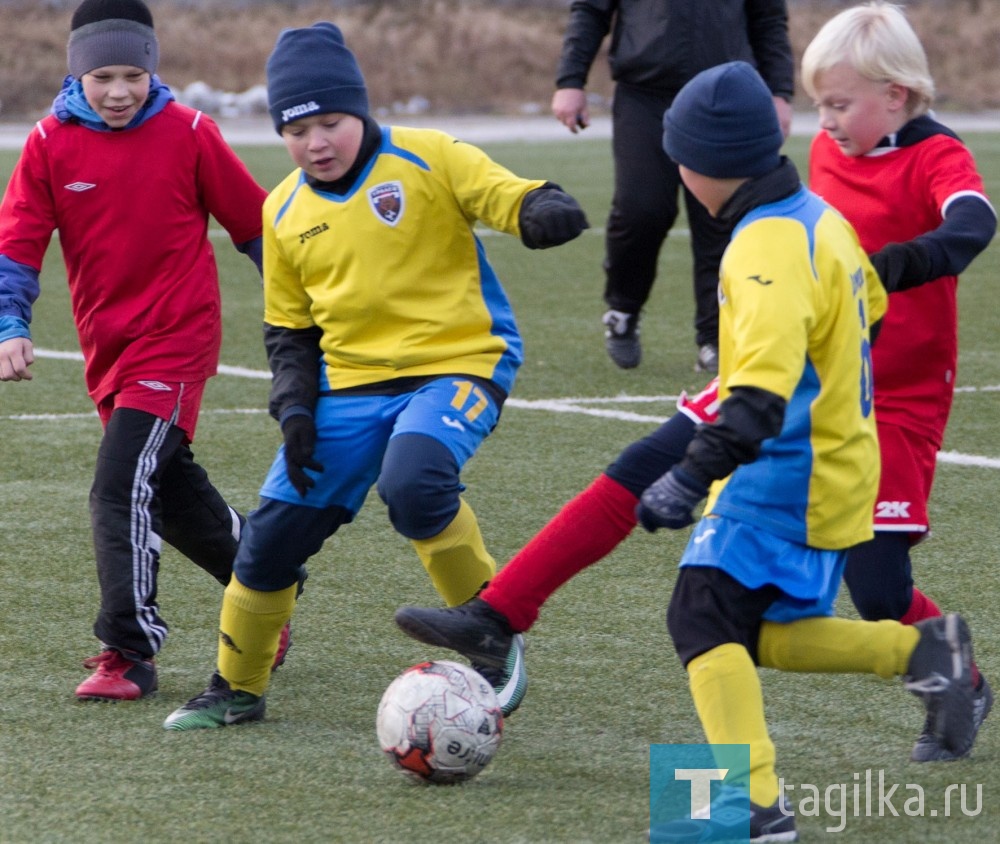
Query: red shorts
x=908 y=464
x=174 y=402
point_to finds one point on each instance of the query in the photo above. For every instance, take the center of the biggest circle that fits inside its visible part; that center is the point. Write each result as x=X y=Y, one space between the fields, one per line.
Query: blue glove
x=669 y=502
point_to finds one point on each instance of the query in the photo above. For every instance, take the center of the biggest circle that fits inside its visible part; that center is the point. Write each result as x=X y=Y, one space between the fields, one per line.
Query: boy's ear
x=899 y=95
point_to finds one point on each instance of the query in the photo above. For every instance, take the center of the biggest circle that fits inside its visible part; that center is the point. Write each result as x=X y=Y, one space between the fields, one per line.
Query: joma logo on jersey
x=295 y=111
x=857 y=281
x=315 y=230
x=892 y=510
x=387 y=202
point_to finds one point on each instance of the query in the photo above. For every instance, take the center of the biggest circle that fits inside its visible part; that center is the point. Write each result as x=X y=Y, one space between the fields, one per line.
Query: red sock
x=922 y=607
x=586 y=529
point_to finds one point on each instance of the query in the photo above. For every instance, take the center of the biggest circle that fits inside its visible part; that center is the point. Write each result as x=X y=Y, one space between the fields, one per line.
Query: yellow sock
x=249 y=630
x=730 y=704
x=456 y=559
x=837 y=645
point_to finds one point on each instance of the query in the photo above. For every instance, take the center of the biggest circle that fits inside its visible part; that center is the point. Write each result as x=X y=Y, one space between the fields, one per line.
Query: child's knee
x=420 y=486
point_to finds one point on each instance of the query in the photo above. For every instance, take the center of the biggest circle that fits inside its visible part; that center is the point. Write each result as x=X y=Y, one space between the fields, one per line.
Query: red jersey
x=132 y=211
x=891 y=196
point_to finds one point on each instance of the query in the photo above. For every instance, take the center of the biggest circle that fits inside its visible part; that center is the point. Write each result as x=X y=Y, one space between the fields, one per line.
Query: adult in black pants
x=657 y=46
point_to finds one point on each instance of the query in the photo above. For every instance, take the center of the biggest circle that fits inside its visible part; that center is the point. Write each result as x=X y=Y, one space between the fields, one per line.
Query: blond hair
x=877 y=41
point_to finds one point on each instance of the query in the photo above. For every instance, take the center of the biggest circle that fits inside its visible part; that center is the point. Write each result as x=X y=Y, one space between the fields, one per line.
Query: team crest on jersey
x=387 y=202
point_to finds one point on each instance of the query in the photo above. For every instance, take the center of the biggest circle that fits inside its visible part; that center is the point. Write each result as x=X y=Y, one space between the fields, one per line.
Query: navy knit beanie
x=723 y=124
x=107 y=32
x=311 y=71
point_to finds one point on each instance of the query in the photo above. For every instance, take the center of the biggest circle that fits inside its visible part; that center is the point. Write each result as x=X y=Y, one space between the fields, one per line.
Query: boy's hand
x=16 y=355
x=550 y=217
x=299 y=432
x=669 y=502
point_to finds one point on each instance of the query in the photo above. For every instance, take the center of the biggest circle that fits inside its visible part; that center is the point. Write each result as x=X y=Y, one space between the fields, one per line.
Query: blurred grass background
x=460 y=56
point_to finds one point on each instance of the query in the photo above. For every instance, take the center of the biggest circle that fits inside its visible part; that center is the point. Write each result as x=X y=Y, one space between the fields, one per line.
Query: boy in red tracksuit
x=129 y=178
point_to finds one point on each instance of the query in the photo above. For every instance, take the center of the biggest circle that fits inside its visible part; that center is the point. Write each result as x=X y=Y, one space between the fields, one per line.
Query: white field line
x=586 y=406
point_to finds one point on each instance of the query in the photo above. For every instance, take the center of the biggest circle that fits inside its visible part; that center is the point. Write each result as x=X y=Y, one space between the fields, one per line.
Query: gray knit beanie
x=107 y=32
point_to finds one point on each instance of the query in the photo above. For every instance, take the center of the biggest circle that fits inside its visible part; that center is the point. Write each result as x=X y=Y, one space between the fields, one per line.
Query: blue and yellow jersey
x=391 y=271
x=797 y=296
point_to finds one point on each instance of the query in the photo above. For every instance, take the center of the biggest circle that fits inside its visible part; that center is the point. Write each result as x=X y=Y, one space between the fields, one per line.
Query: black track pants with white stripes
x=147 y=489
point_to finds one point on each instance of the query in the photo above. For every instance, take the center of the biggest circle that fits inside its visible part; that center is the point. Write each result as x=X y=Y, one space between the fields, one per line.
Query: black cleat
x=940 y=674
x=928 y=747
x=511 y=681
x=482 y=635
x=621 y=339
x=731 y=816
x=474 y=629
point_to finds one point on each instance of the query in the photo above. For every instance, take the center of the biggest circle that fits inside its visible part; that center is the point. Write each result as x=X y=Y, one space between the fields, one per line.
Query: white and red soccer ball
x=439 y=722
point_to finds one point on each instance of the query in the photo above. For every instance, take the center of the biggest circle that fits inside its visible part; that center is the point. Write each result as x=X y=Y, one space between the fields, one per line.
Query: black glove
x=550 y=217
x=300 y=442
x=902 y=266
x=669 y=501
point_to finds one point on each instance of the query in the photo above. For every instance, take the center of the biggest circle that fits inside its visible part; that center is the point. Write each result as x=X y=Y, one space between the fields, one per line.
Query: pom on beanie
x=723 y=124
x=311 y=71
x=107 y=32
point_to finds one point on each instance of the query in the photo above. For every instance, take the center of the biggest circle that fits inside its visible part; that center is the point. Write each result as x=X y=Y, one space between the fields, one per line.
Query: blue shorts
x=353 y=432
x=809 y=578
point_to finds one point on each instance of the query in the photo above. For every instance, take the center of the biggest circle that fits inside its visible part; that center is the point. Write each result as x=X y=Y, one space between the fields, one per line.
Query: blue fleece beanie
x=311 y=71
x=723 y=124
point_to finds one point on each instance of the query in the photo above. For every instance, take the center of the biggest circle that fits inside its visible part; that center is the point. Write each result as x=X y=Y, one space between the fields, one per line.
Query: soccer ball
x=439 y=722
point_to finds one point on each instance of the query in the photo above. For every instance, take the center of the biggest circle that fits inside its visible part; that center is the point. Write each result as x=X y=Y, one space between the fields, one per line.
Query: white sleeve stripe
x=962 y=194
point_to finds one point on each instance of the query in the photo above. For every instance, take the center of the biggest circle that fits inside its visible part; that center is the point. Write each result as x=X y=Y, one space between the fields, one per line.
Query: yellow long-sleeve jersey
x=797 y=298
x=391 y=271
